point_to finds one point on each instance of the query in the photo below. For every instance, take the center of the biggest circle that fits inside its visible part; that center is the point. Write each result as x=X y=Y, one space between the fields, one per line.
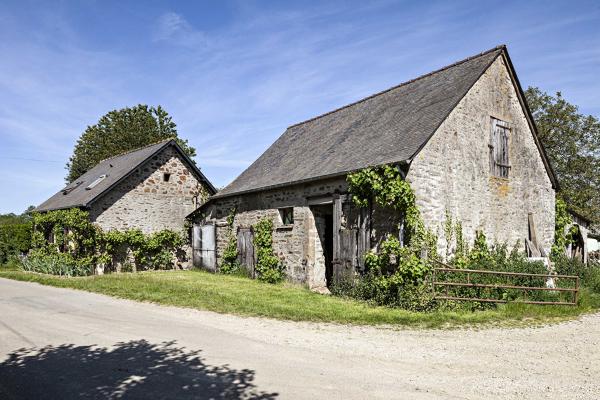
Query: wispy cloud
x=235 y=75
x=174 y=29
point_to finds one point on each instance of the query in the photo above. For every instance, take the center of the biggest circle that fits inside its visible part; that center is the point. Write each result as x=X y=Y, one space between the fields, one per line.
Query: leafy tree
x=572 y=142
x=12 y=218
x=120 y=131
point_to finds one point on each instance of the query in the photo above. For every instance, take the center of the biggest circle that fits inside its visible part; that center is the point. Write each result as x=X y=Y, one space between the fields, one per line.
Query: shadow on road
x=131 y=370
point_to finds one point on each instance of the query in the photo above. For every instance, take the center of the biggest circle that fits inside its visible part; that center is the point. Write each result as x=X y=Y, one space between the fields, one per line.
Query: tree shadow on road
x=130 y=370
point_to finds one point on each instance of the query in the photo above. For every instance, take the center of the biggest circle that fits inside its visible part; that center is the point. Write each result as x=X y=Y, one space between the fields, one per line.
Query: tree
x=120 y=131
x=572 y=142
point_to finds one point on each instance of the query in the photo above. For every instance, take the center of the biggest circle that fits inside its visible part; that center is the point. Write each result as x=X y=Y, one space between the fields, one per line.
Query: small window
x=166 y=177
x=499 y=157
x=287 y=215
x=96 y=182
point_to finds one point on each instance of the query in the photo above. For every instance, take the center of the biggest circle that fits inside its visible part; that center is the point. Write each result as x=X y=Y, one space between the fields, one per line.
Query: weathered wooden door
x=245 y=248
x=204 y=247
x=345 y=265
x=344 y=245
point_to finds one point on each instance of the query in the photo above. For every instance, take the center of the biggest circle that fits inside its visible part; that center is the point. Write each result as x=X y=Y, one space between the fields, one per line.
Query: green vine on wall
x=70 y=238
x=230 y=264
x=386 y=187
x=268 y=266
x=562 y=220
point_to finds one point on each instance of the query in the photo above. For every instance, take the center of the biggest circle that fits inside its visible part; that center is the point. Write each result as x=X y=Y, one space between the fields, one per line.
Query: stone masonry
x=145 y=200
x=298 y=246
x=452 y=171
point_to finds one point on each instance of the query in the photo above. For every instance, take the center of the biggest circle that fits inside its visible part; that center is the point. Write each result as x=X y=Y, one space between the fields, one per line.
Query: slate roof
x=116 y=169
x=388 y=127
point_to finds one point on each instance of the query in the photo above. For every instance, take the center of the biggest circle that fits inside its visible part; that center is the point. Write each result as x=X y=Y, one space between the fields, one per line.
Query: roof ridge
x=499 y=47
x=136 y=149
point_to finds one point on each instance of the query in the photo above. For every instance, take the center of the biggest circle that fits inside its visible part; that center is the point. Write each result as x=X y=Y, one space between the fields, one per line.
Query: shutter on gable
x=499 y=157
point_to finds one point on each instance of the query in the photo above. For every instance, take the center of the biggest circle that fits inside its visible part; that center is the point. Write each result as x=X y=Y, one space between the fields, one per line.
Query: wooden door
x=345 y=265
x=345 y=258
x=245 y=248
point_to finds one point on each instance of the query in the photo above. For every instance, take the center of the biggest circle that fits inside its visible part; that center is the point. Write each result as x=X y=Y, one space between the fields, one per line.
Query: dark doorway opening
x=324 y=222
x=328 y=249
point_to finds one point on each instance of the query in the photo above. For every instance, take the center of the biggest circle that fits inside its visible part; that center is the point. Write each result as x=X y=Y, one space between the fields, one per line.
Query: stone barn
x=462 y=135
x=151 y=188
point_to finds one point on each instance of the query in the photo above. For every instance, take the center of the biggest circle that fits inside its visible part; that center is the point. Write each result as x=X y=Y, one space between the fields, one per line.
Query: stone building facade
x=151 y=188
x=157 y=195
x=452 y=171
x=439 y=129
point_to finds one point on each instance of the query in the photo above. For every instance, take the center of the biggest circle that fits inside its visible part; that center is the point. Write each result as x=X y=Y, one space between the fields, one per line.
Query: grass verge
x=242 y=296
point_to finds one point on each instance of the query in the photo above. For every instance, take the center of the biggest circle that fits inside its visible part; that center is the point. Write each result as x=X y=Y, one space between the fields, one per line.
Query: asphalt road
x=64 y=344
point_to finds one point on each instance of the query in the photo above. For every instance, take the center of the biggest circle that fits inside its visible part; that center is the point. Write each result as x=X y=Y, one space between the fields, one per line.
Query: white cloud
x=174 y=29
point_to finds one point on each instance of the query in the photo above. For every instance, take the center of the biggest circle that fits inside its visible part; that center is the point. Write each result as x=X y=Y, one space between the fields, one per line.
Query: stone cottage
x=151 y=188
x=462 y=135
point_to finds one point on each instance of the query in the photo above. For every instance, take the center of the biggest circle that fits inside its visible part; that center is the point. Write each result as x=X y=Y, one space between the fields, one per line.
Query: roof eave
x=531 y=121
x=297 y=182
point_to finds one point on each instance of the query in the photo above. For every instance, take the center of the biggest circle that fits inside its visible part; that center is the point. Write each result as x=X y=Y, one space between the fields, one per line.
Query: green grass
x=242 y=296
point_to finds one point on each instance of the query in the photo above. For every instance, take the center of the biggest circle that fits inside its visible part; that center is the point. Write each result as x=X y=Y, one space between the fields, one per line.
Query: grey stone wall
x=146 y=201
x=298 y=246
x=452 y=172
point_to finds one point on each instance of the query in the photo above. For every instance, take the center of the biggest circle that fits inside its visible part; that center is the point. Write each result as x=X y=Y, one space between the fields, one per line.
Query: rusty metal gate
x=447 y=283
x=204 y=246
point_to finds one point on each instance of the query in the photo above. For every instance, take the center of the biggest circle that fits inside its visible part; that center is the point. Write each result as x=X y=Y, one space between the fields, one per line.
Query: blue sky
x=234 y=75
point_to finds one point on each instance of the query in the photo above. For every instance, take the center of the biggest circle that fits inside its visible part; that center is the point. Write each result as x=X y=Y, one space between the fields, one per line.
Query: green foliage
x=589 y=274
x=120 y=131
x=62 y=264
x=67 y=231
x=268 y=266
x=229 y=263
x=562 y=220
x=386 y=186
x=498 y=258
x=15 y=239
x=572 y=142
x=395 y=275
x=12 y=218
x=71 y=237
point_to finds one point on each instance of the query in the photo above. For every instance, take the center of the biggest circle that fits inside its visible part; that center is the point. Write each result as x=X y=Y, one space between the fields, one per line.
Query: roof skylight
x=96 y=182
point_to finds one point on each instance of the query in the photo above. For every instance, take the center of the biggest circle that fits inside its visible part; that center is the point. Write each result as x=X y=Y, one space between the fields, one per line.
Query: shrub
x=62 y=264
x=15 y=239
x=589 y=275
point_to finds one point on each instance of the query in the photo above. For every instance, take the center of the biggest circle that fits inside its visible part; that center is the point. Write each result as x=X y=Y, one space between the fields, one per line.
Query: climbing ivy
x=387 y=187
x=268 y=266
x=70 y=237
x=394 y=264
x=562 y=219
x=230 y=264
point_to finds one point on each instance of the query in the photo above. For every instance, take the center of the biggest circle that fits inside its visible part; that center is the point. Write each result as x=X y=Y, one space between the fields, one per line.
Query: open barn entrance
x=323 y=215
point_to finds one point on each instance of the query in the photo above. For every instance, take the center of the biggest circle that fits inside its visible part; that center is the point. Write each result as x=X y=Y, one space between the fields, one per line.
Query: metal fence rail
x=446 y=285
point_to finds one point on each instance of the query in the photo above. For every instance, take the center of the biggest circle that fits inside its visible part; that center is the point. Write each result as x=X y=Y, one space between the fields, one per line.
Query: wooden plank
x=337 y=225
x=532 y=232
x=245 y=247
x=364 y=236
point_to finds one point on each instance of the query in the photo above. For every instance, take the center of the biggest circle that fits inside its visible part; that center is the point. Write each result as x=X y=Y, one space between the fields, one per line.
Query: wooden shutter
x=499 y=145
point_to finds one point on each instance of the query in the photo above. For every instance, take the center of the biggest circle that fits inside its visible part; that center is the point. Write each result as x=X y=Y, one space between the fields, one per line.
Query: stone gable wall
x=145 y=201
x=452 y=172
